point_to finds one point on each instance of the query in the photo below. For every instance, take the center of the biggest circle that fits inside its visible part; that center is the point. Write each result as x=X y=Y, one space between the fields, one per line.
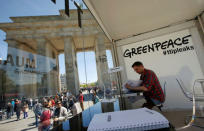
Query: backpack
x=38 y=109
x=45 y=118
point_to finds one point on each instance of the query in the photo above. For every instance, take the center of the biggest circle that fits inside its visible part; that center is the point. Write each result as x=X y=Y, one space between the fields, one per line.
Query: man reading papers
x=150 y=86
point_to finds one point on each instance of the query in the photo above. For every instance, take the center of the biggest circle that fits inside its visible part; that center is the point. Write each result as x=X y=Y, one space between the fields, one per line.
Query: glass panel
x=27 y=73
x=63 y=84
x=52 y=60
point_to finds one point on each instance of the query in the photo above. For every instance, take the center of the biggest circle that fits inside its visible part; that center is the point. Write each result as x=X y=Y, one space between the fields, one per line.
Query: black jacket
x=9 y=108
x=18 y=107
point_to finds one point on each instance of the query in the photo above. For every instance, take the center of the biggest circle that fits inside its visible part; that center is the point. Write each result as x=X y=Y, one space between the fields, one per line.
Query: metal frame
x=192 y=97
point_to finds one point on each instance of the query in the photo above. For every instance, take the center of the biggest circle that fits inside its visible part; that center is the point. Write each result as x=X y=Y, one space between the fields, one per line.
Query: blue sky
x=90 y=65
x=12 y=8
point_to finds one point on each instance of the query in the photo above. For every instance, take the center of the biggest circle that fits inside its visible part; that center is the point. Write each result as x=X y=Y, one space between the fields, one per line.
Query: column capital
x=12 y=43
x=41 y=40
x=100 y=35
x=68 y=38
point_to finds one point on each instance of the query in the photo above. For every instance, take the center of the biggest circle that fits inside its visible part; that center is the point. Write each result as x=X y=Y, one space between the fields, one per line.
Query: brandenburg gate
x=34 y=43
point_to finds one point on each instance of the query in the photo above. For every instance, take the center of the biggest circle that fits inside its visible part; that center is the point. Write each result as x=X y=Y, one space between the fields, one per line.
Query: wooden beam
x=79 y=11
x=67 y=7
x=54 y=1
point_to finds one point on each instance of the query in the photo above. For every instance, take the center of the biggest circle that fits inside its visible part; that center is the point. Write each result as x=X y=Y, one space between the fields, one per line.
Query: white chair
x=192 y=96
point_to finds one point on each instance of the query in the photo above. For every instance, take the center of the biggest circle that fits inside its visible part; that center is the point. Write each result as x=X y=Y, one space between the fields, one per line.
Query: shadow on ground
x=8 y=122
x=27 y=129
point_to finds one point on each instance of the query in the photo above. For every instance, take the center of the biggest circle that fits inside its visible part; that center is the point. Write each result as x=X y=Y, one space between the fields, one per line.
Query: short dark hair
x=137 y=63
x=58 y=102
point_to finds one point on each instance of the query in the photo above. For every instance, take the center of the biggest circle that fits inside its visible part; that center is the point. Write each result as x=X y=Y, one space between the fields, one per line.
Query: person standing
x=65 y=102
x=30 y=103
x=60 y=114
x=45 y=117
x=71 y=104
x=13 y=104
x=38 y=111
x=9 y=110
x=52 y=101
x=56 y=97
x=95 y=98
x=18 y=109
x=25 y=110
x=81 y=100
x=68 y=94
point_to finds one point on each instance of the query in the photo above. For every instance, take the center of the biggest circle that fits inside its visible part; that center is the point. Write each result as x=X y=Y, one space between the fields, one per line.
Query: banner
x=170 y=56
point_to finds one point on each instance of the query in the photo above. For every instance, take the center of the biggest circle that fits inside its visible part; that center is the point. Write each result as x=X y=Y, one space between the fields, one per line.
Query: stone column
x=72 y=79
x=77 y=73
x=58 y=73
x=20 y=66
x=50 y=83
x=55 y=73
x=2 y=84
x=42 y=67
x=14 y=73
x=101 y=62
x=49 y=66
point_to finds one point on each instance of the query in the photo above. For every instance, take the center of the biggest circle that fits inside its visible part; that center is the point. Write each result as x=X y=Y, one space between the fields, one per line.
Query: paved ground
x=21 y=125
x=175 y=117
x=24 y=124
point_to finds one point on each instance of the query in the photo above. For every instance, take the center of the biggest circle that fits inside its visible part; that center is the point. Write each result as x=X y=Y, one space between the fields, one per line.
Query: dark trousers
x=18 y=113
x=30 y=107
x=8 y=115
x=36 y=120
x=47 y=128
x=12 y=111
x=25 y=114
x=57 y=126
x=149 y=103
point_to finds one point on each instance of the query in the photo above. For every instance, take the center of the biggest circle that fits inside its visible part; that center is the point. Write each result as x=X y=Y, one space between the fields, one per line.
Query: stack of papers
x=129 y=120
x=131 y=83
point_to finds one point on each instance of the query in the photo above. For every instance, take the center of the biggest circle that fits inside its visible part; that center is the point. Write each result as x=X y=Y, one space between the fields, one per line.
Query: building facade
x=63 y=85
x=34 y=43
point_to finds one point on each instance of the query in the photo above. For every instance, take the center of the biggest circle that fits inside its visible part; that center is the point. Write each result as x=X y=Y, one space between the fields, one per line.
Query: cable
x=85 y=66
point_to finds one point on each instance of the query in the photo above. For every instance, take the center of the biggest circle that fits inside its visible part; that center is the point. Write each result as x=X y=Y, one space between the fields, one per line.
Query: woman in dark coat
x=9 y=110
x=18 y=109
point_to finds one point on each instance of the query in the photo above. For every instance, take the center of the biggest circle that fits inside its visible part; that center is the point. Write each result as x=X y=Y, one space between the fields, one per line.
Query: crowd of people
x=48 y=110
x=18 y=106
